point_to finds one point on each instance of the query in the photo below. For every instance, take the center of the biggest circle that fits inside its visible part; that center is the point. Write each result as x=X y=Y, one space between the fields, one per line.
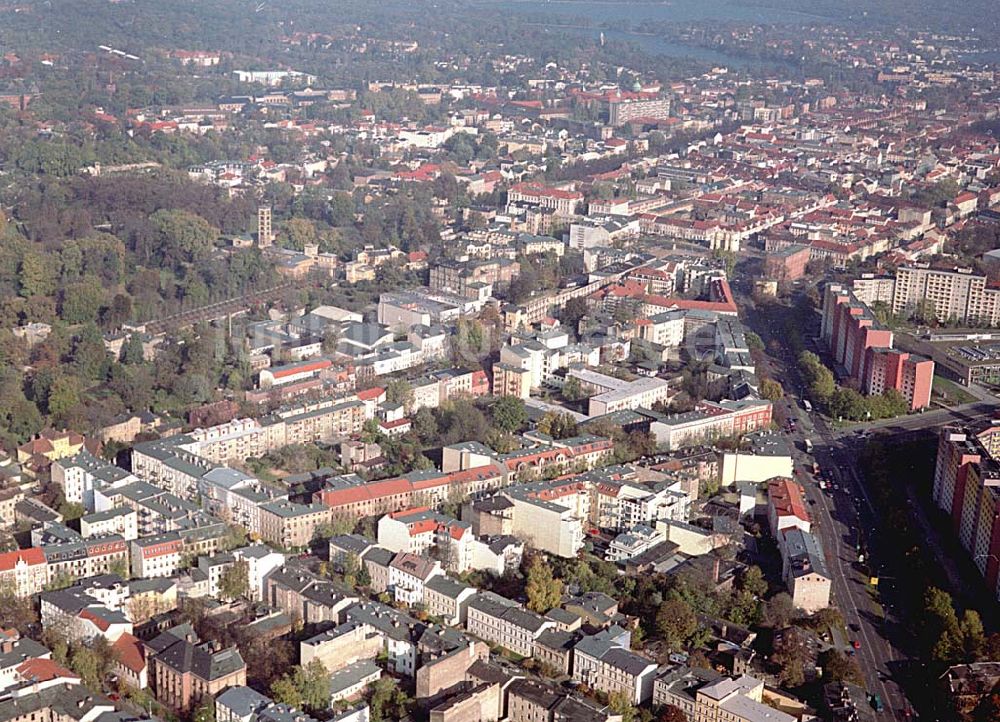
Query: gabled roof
x=129 y=651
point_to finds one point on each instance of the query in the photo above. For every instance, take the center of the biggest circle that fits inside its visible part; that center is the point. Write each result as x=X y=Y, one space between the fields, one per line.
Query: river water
x=573 y=16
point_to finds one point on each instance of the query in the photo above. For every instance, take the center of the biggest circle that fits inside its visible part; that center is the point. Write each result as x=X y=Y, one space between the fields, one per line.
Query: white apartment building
x=552 y=526
x=957 y=294
x=604 y=662
x=448 y=599
x=156 y=556
x=613 y=394
x=504 y=622
x=120 y=520
x=408 y=576
x=80 y=474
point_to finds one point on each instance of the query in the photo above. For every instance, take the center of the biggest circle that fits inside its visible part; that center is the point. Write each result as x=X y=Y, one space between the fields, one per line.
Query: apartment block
x=604 y=662
x=25 y=571
x=80 y=474
x=156 y=556
x=341 y=646
x=290 y=525
x=506 y=623
x=864 y=349
x=804 y=570
x=967 y=489
x=953 y=295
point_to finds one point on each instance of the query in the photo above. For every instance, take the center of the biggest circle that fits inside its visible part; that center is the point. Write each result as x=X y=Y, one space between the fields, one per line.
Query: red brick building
x=787 y=264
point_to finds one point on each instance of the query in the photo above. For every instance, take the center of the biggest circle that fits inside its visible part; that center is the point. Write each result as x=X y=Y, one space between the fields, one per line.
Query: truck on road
x=809 y=446
x=807 y=405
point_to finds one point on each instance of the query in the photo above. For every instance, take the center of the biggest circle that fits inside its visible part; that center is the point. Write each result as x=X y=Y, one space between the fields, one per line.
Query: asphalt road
x=838 y=513
x=844 y=512
x=965 y=414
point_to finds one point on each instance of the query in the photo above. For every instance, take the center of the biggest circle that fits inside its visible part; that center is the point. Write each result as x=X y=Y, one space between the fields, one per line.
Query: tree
x=36 y=276
x=90 y=357
x=92 y=661
x=838 y=667
x=572 y=390
x=752 y=581
x=285 y=691
x=301 y=232
x=132 y=353
x=973 y=635
x=574 y=310
x=399 y=391
x=306 y=687
x=779 y=610
x=558 y=425
x=699 y=660
x=620 y=703
x=205 y=711
x=925 y=311
x=386 y=700
x=81 y=302
x=70 y=510
x=314 y=684
x=509 y=414
x=183 y=236
x=15 y=611
x=670 y=713
x=63 y=396
x=675 y=621
x=234 y=582
x=119 y=312
x=943 y=634
x=543 y=590
x=791 y=655
x=847 y=403
x=771 y=390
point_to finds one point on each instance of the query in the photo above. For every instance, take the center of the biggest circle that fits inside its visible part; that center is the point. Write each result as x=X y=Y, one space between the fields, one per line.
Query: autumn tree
x=234 y=582
x=838 y=667
x=544 y=591
x=670 y=713
x=558 y=425
x=771 y=390
x=205 y=711
x=387 y=700
x=620 y=703
x=306 y=687
x=752 y=581
x=675 y=621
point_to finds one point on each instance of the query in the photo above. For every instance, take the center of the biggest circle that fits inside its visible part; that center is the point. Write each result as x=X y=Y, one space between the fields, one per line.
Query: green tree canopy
x=543 y=590
x=509 y=414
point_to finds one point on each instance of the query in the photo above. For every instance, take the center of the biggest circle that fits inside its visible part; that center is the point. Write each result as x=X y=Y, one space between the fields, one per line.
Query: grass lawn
x=949 y=393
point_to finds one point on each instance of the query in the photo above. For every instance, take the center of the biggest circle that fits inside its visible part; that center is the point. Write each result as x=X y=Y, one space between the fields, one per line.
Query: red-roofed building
x=157 y=556
x=396 y=427
x=418 y=488
x=25 y=571
x=130 y=661
x=44 y=673
x=786 y=506
x=291 y=373
x=421 y=530
x=966 y=203
x=563 y=202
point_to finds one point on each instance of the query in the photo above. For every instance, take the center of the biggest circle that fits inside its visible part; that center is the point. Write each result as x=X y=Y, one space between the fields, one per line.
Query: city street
x=839 y=513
